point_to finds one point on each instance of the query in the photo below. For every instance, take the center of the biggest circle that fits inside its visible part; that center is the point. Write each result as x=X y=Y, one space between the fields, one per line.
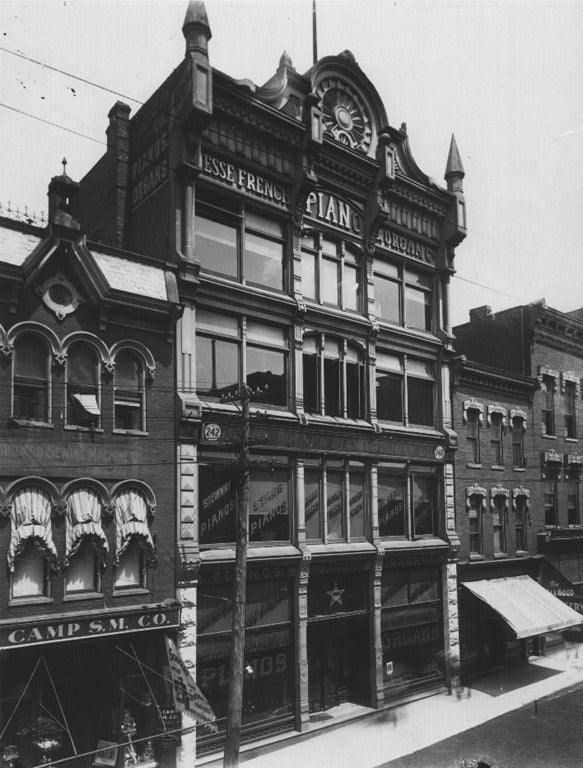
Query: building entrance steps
x=359 y=737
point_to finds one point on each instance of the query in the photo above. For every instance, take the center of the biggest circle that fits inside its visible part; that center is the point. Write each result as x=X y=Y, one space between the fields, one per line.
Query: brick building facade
x=313 y=260
x=522 y=400
x=87 y=492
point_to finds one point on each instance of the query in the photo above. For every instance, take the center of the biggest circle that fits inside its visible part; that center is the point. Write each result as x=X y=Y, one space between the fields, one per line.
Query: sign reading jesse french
x=85 y=627
x=246 y=181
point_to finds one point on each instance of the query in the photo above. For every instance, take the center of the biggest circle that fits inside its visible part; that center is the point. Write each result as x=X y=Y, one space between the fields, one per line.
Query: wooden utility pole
x=235 y=694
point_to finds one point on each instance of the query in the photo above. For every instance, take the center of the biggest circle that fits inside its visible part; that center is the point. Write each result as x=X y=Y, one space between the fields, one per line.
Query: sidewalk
x=365 y=738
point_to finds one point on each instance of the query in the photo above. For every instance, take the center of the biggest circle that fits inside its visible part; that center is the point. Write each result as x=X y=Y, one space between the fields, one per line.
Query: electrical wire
x=175 y=116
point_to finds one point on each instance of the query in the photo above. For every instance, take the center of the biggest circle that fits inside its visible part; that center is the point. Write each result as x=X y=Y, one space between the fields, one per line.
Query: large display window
x=411 y=629
x=269 y=504
x=268 y=683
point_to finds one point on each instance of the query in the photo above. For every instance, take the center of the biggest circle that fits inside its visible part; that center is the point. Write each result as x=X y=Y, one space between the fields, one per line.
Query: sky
x=505 y=77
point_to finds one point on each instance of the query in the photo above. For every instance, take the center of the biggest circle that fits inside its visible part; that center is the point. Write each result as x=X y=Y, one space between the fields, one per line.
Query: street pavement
x=546 y=736
x=373 y=739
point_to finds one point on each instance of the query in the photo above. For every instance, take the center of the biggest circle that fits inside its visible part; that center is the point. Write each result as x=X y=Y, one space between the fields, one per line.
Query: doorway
x=338 y=662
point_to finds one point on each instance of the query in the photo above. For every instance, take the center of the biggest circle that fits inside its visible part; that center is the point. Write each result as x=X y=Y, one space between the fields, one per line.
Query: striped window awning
x=525 y=606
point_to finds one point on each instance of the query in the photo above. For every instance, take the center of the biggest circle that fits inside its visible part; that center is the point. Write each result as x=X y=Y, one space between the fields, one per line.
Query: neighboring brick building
x=529 y=371
x=87 y=491
x=313 y=260
x=495 y=478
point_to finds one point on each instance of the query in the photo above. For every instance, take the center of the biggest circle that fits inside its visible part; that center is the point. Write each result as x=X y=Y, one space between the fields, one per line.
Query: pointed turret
x=61 y=190
x=454 y=170
x=196 y=28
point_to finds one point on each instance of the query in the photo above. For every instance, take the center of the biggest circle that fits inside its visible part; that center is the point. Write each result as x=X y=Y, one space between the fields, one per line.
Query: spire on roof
x=196 y=28
x=454 y=161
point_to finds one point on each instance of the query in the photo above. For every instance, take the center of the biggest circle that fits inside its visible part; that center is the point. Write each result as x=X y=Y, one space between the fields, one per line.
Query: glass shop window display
x=98 y=705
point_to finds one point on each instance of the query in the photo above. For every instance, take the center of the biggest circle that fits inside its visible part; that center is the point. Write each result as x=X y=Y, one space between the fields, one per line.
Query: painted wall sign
x=244 y=180
x=150 y=156
x=76 y=455
x=96 y=626
x=404 y=246
x=332 y=210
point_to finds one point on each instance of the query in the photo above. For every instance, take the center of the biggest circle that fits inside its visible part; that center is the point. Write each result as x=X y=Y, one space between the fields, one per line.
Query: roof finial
x=196 y=28
x=64 y=163
x=454 y=170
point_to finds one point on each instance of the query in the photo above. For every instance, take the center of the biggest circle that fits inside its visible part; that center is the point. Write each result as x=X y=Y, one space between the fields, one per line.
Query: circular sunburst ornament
x=345 y=116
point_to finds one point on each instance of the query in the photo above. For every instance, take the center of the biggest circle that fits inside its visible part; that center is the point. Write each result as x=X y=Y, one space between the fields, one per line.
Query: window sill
x=74 y=428
x=548 y=437
x=521 y=553
x=571 y=439
x=475 y=558
x=519 y=469
x=12 y=422
x=497 y=467
x=471 y=465
x=500 y=555
x=13 y=602
x=82 y=596
x=130 y=591
x=131 y=432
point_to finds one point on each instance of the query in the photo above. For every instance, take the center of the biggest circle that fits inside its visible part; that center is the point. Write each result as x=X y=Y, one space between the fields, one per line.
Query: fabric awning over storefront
x=525 y=606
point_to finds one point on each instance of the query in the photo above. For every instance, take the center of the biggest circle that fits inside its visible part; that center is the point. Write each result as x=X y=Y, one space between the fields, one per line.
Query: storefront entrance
x=338 y=662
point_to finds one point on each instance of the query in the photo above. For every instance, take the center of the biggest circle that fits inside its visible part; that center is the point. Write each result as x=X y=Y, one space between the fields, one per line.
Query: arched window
x=129 y=392
x=31 y=378
x=31 y=549
x=83 y=402
x=133 y=541
x=86 y=543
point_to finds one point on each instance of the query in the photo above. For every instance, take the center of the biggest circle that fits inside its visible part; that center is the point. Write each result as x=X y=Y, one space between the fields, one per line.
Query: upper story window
x=499 y=505
x=129 y=392
x=134 y=546
x=331 y=272
x=334 y=381
x=473 y=435
x=31 y=550
x=496 y=433
x=573 y=513
x=570 y=409
x=219 y=495
x=548 y=405
x=520 y=503
x=86 y=544
x=31 y=378
x=247 y=247
x=405 y=388
x=518 y=423
x=336 y=501
x=406 y=504
x=550 y=497
x=475 y=504
x=403 y=295
x=83 y=396
x=230 y=352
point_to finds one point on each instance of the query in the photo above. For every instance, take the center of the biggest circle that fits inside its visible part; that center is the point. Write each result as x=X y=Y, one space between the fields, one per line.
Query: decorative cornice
x=520 y=491
x=498 y=491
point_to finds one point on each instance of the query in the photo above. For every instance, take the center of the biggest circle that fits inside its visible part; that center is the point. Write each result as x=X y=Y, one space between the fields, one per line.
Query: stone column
x=301 y=637
x=377 y=678
x=189 y=563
